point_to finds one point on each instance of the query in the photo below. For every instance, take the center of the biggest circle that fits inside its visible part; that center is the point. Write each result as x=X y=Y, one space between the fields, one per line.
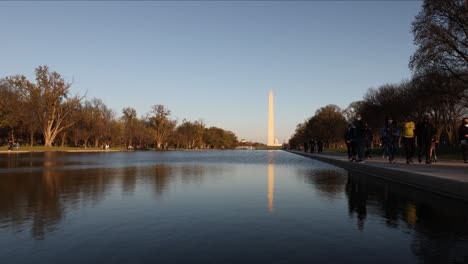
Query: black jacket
x=350 y=134
x=462 y=131
x=360 y=129
x=424 y=131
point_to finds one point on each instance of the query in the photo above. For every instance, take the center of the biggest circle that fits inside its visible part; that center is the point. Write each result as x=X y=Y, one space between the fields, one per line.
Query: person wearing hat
x=360 y=136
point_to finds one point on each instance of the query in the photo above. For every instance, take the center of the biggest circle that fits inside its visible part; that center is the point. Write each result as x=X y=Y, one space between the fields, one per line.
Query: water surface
x=216 y=207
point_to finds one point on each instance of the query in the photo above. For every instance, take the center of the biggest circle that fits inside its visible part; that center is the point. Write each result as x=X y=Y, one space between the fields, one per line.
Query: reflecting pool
x=216 y=207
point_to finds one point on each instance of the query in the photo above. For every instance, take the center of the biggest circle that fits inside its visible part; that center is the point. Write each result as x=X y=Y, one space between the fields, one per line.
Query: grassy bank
x=267 y=148
x=47 y=149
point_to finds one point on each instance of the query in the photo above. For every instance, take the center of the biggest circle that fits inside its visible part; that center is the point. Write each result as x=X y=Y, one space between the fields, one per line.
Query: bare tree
x=10 y=108
x=328 y=124
x=161 y=126
x=441 y=35
x=130 y=120
x=50 y=100
x=190 y=134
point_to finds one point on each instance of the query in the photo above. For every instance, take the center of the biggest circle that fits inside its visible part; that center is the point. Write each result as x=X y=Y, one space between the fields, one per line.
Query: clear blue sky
x=214 y=60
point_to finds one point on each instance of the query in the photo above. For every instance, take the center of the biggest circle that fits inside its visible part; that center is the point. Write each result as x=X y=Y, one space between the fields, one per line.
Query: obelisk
x=271 y=121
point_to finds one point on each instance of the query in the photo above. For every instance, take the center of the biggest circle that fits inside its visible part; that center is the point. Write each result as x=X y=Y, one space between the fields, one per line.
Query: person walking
x=408 y=139
x=463 y=133
x=353 y=143
x=424 y=134
x=348 y=137
x=312 y=146
x=319 y=146
x=369 y=139
x=384 y=139
x=360 y=137
x=393 y=135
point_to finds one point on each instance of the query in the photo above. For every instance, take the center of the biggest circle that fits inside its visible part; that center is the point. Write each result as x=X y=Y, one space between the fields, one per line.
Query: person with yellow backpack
x=408 y=139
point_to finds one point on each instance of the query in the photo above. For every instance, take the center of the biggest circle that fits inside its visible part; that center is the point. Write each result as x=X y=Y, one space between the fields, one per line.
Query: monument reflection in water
x=177 y=207
x=271 y=186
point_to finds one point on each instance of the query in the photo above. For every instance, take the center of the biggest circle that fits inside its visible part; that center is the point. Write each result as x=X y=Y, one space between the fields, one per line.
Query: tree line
x=45 y=113
x=438 y=87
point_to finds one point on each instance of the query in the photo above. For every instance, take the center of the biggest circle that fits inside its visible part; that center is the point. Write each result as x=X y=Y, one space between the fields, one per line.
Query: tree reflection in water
x=39 y=200
x=161 y=177
x=329 y=182
x=129 y=179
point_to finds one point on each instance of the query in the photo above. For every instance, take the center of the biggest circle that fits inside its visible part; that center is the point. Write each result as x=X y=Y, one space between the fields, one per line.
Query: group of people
x=424 y=132
x=358 y=138
x=314 y=146
x=12 y=145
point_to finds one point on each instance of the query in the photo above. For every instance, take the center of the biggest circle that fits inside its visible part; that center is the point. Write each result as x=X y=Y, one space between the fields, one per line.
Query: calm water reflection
x=216 y=207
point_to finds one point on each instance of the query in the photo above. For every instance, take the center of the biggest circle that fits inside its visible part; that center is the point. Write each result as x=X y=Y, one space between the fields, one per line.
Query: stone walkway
x=446 y=177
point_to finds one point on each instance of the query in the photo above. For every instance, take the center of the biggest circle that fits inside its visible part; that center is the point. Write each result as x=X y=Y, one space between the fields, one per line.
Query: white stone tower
x=271 y=120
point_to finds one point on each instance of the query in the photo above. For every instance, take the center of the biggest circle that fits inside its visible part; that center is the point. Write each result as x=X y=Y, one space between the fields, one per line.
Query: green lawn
x=267 y=147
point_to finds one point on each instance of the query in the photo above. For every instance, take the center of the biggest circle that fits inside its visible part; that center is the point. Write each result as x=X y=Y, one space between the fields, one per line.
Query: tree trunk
x=13 y=136
x=48 y=140
x=64 y=135
x=31 y=137
x=438 y=133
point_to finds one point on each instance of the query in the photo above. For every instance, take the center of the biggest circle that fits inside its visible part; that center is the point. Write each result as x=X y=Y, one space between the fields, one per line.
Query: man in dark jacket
x=463 y=132
x=348 y=137
x=369 y=139
x=319 y=146
x=360 y=135
x=312 y=145
x=392 y=133
x=424 y=133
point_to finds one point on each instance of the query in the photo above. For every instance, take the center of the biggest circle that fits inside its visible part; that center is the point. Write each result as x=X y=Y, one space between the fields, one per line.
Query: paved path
x=446 y=177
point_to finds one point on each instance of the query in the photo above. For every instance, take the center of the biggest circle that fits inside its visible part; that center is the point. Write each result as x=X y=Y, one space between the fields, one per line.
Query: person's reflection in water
x=411 y=216
x=357 y=200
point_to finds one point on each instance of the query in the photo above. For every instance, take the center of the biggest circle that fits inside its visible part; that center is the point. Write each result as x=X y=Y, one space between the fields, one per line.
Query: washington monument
x=271 y=120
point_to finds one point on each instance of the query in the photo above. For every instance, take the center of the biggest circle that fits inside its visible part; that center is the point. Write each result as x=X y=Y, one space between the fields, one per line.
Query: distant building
x=245 y=147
